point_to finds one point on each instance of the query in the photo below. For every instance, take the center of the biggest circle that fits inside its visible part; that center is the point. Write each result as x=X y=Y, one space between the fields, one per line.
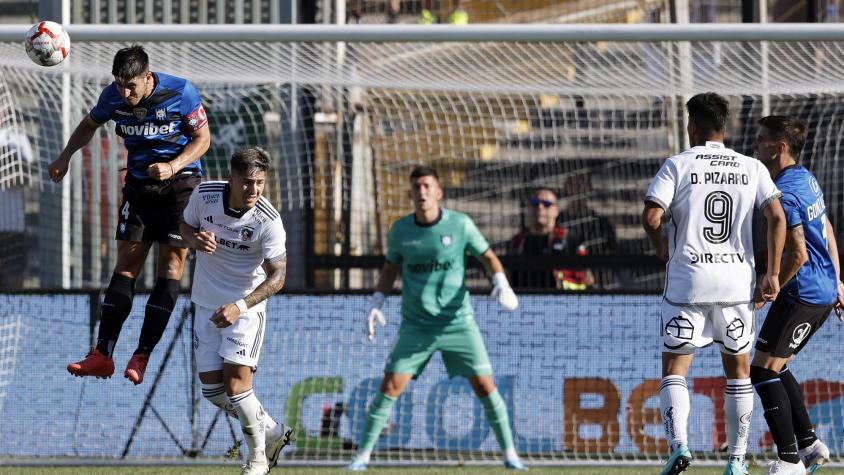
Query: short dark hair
x=130 y=63
x=709 y=111
x=789 y=129
x=535 y=191
x=423 y=170
x=249 y=161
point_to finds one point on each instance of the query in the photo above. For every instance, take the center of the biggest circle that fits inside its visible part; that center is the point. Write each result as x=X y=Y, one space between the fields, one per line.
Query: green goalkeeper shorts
x=463 y=350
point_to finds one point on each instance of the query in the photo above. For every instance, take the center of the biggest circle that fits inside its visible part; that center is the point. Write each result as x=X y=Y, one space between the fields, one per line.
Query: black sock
x=803 y=429
x=117 y=303
x=777 y=411
x=159 y=307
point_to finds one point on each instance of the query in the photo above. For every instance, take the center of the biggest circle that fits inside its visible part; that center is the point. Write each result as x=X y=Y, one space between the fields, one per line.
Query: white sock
x=675 y=405
x=216 y=393
x=364 y=455
x=252 y=417
x=738 y=404
x=511 y=454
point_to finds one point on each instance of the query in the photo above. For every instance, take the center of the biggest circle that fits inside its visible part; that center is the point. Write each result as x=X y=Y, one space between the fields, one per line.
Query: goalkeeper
x=429 y=247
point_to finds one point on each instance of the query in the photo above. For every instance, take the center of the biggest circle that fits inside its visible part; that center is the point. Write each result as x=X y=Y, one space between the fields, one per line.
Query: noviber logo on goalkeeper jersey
x=428 y=267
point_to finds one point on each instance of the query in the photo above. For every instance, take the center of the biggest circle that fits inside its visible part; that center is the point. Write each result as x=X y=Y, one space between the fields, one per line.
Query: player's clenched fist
x=225 y=316
x=58 y=169
x=161 y=171
x=205 y=241
x=374 y=315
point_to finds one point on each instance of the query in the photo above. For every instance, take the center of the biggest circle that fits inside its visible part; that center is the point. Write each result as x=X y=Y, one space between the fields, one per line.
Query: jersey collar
x=717 y=145
x=433 y=223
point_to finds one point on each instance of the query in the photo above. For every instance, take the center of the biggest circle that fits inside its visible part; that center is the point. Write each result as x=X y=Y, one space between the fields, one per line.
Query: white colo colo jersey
x=709 y=194
x=244 y=242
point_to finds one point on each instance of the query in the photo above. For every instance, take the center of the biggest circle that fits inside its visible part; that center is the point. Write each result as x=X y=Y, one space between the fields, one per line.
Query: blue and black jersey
x=157 y=129
x=803 y=203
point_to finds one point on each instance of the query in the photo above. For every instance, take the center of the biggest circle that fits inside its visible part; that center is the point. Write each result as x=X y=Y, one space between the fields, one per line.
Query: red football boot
x=94 y=364
x=136 y=367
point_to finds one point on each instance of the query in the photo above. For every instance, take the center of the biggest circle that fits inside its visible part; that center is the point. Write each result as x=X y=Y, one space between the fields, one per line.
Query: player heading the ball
x=165 y=131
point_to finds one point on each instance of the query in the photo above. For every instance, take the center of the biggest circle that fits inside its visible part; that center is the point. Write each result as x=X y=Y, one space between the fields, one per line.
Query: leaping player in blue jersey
x=165 y=130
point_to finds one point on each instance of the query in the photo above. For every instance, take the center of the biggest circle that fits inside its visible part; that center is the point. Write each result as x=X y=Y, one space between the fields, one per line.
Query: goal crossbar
x=426 y=33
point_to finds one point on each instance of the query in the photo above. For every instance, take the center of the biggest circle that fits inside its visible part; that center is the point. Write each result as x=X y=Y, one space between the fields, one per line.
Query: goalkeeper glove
x=503 y=292
x=374 y=314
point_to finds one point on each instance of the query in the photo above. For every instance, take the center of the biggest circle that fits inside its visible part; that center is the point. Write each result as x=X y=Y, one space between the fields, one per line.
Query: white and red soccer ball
x=47 y=43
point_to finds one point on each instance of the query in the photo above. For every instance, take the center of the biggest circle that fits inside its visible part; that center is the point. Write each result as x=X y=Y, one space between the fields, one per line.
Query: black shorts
x=789 y=326
x=151 y=209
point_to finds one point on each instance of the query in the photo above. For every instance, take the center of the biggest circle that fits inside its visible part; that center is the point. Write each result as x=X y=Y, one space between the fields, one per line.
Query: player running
x=241 y=263
x=429 y=247
x=708 y=193
x=163 y=125
x=811 y=287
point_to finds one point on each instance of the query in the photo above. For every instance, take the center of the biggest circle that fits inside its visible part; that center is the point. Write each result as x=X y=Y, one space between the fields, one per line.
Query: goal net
x=346 y=121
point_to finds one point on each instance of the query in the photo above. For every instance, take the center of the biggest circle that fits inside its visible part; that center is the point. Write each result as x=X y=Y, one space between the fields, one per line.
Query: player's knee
x=482 y=385
x=759 y=375
x=172 y=265
x=392 y=386
x=236 y=384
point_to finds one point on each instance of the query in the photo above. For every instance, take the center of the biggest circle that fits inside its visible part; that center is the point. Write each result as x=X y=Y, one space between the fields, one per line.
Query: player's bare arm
x=276 y=270
x=200 y=141
x=795 y=254
x=204 y=241
x=832 y=245
x=776 y=241
x=78 y=139
x=652 y=222
x=491 y=263
x=387 y=277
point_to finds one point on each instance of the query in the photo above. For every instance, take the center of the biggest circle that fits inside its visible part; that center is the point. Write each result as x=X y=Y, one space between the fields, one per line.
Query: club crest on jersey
x=140 y=112
x=246 y=233
x=816 y=188
x=160 y=114
x=446 y=240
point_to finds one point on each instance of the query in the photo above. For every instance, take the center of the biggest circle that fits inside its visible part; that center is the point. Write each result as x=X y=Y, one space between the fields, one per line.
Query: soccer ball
x=47 y=43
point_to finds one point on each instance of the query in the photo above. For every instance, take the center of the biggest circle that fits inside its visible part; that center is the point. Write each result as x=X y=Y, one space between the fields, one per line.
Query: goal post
x=590 y=111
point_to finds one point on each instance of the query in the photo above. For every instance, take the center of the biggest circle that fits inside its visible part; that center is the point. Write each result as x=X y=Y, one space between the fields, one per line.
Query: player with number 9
x=709 y=194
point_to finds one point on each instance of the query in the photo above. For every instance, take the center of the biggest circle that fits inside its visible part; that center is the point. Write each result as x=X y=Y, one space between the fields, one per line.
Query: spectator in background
x=459 y=16
x=428 y=15
x=543 y=237
x=587 y=229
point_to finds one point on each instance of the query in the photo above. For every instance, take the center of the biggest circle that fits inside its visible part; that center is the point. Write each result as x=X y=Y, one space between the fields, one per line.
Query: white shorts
x=685 y=328
x=237 y=344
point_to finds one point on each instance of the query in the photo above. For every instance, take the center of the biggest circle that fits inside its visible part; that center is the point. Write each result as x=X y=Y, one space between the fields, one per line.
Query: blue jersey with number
x=157 y=129
x=803 y=203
